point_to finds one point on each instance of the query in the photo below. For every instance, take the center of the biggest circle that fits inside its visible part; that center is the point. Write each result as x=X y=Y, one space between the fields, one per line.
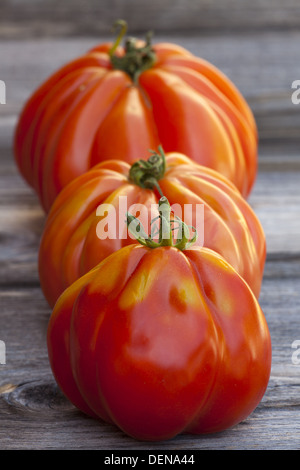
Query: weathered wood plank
x=276 y=201
x=74 y=17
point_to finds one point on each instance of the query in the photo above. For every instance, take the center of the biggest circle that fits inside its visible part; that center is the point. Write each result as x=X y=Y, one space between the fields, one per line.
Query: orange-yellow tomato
x=71 y=244
x=94 y=109
x=160 y=342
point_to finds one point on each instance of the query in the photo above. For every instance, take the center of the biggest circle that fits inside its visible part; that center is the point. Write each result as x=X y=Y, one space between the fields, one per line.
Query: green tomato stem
x=136 y=59
x=165 y=237
x=147 y=173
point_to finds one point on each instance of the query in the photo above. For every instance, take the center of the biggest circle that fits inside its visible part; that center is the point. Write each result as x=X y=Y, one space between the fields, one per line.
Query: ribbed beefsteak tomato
x=161 y=341
x=116 y=103
x=71 y=243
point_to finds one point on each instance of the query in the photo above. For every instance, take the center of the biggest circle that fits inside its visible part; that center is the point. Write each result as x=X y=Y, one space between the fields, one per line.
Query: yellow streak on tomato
x=109 y=272
x=138 y=288
x=226 y=305
x=187 y=294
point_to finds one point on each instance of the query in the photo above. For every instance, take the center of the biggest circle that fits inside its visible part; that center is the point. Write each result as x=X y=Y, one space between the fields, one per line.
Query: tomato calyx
x=135 y=59
x=147 y=173
x=165 y=230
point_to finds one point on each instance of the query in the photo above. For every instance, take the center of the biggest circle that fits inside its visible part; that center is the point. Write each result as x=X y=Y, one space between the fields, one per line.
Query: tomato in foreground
x=117 y=102
x=161 y=338
x=80 y=230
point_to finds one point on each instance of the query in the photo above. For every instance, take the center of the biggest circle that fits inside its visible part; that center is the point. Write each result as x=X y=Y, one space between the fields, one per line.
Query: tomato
x=117 y=103
x=71 y=243
x=160 y=341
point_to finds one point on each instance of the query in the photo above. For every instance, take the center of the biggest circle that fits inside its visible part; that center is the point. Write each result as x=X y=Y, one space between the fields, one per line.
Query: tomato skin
x=70 y=245
x=173 y=342
x=182 y=102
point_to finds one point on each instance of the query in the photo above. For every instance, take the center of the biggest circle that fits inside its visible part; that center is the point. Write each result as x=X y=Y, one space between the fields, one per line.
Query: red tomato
x=161 y=341
x=111 y=104
x=70 y=245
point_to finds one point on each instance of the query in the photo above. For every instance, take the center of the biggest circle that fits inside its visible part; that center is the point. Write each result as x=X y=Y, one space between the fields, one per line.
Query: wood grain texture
x=33 y=412
x=93 y=17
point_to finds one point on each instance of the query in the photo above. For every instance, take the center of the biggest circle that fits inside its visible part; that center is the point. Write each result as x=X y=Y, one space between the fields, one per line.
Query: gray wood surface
x=95 y=17
x=33 y=412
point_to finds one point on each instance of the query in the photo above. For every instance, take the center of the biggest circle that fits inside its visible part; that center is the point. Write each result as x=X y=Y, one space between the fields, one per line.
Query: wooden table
x=33 y=412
